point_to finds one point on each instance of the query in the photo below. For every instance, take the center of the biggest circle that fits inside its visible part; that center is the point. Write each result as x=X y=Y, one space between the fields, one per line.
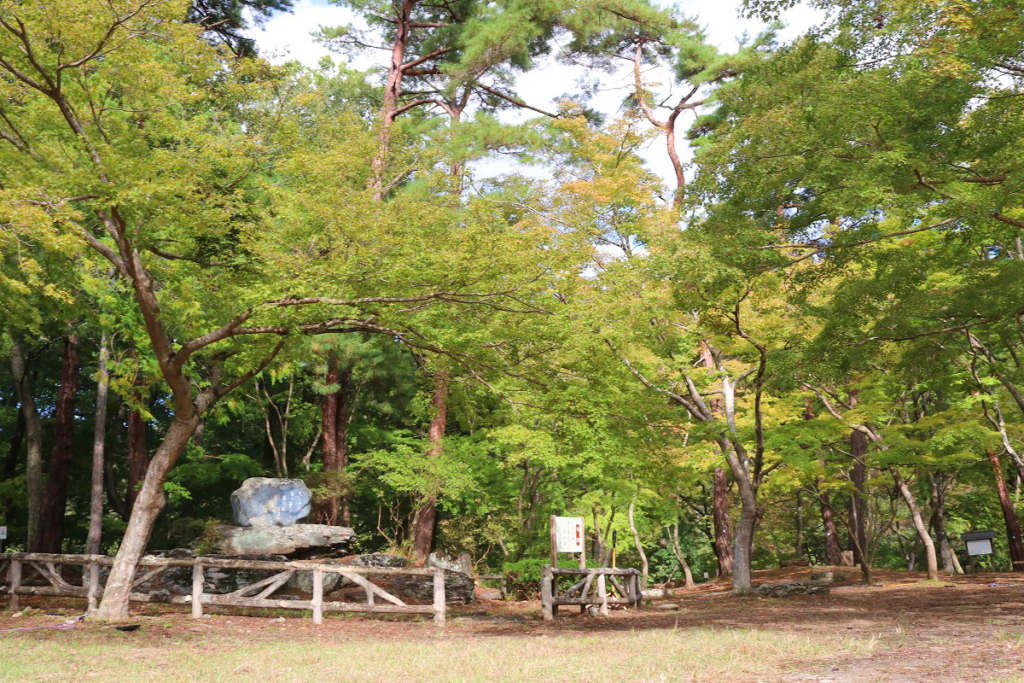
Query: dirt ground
x=962 y=629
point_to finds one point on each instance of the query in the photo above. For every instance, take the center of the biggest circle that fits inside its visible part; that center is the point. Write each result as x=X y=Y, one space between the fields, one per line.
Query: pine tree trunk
x=92 y=543
x=919 y=525
x=392 y=91
x=1013 y=533
x=51 y=524
x=34 y=436
x=335 y=410
x=720 y=515
x=426 y=517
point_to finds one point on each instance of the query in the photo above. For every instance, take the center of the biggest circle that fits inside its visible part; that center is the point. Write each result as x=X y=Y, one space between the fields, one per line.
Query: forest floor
x=964 y=629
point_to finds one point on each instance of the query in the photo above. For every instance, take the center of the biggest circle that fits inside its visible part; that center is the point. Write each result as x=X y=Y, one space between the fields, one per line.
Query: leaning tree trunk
x=919 y=525
x=1013 y=534
x=681 y=558
x=426 y=516
x=92 y=543
x=34 y=438
x=149 y=502
x=720 y=517
x=639 y=547
x=51 y=523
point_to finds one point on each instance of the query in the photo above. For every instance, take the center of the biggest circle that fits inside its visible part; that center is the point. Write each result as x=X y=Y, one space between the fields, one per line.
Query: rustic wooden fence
x=628 y=588
x=256 y=594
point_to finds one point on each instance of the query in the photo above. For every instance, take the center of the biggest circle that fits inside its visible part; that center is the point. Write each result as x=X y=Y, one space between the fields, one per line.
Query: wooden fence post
x=602 y=594
x=318 y=596
x=14 y=575
x=197 y=589
x=546 y=597
x=440 y=601
x=94 y=585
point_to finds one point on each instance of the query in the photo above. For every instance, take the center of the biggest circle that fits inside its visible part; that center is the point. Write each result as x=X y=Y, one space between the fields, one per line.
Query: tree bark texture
x=720 y=515
x=335 y=412
x=1013 y=534
x=51 y=523
x=92 y=543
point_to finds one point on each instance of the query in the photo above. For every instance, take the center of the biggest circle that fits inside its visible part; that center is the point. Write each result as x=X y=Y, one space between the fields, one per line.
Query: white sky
x=287 y=36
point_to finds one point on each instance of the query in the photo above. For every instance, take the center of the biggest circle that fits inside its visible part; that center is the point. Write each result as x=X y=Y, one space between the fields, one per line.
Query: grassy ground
x=901 y=630
x=664 y=655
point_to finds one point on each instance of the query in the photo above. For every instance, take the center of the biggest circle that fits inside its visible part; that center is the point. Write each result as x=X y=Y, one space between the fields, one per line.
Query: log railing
x=625 y=582
x=256 y=594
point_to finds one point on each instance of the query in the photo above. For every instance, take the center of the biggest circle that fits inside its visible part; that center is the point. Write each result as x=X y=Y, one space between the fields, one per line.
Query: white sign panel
x=981 y=547
x=569 y=534
x=3 y=533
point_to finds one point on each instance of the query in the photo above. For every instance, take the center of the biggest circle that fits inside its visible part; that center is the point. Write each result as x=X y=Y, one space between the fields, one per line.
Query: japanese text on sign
x=569 y=534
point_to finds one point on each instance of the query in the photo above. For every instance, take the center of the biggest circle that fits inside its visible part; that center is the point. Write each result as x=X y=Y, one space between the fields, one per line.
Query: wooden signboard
x=568 y=535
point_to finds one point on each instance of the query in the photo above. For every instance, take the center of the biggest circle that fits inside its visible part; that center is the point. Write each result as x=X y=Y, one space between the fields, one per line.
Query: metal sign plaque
x=569 y=535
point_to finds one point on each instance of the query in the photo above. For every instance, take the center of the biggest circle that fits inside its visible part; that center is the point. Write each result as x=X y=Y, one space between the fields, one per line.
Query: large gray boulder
x=265 y=502
x=299 y=541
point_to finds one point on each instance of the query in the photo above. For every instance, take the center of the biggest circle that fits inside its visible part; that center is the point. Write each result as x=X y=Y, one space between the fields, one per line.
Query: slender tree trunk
x=833 y=554
x=426 y=516
x=92 y=543
x=639 y=547
x=1013 y=534
x=51 y=525
x=720 y=515
x=799 y=525
x=858 y=476
x=680 y=558
x=919 y=525
x=34 y=436
x=148 y=504
x=939 y=524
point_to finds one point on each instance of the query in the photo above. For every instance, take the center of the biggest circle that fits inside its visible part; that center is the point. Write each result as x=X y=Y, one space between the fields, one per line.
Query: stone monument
x=266 y=513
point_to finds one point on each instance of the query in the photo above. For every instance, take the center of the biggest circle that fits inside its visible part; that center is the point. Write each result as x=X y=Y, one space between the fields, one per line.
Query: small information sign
x=569 y=534
x=3 y=533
